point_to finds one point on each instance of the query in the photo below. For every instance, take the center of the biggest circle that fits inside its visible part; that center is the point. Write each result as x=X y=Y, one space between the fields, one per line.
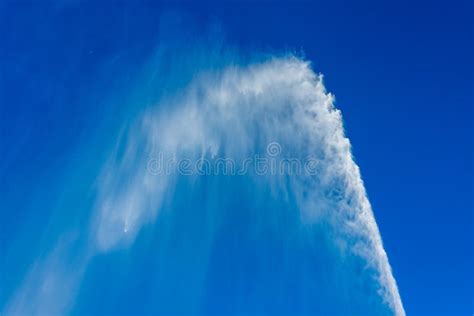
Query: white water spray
x=234 y=113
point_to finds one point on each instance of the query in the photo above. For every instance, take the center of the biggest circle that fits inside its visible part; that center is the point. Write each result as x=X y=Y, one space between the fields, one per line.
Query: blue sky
x=401 y=72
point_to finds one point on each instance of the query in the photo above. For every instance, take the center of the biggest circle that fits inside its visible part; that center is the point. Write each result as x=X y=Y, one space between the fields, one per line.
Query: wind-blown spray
x=235 y=113
x=305 y=242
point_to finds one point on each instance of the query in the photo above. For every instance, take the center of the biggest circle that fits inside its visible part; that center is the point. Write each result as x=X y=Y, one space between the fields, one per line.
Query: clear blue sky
x=402 y=73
